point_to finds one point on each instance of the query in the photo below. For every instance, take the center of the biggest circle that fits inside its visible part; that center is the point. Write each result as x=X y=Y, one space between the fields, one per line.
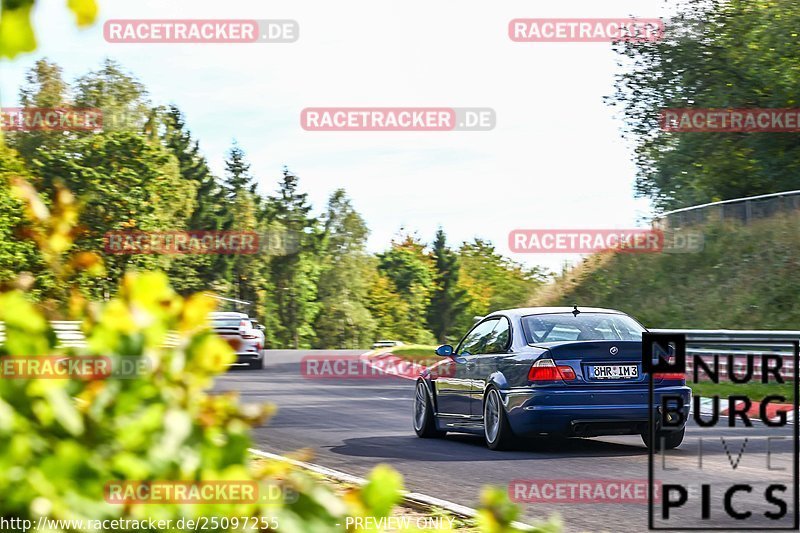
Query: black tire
x=496 y=429
x=671 y=439
x=257 y=364
x=423 y=418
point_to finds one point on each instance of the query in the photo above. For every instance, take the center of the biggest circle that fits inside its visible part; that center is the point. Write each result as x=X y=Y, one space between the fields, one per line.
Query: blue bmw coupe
x=545 y=371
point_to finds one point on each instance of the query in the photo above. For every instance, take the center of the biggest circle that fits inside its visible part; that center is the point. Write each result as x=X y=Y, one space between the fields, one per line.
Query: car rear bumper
x=248 y=357
x=585 y=411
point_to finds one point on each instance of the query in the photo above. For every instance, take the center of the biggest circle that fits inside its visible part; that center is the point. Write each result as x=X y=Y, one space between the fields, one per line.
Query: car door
x=454 y=390
x=495 y=346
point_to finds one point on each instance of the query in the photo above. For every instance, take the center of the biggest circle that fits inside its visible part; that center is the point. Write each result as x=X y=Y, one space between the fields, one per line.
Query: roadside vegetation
x=715 y=54
x=412 y=351
x=64 y=440
x=746 y=275
x=61 y=192
x=314 y=284
x=744 y=278
x=755 y=391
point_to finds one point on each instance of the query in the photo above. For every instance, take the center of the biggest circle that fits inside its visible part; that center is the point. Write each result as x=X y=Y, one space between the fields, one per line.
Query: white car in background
x=243 y=334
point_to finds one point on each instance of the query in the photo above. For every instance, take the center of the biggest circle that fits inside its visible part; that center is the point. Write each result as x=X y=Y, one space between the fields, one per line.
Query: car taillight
x=567 y=374
x=245 y=330
x=547 y=370
x=670 y=375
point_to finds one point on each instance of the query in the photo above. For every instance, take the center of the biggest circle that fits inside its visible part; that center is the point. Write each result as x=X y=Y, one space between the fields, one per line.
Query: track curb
x=388 y=364
x=724 y=408
x=410 y=499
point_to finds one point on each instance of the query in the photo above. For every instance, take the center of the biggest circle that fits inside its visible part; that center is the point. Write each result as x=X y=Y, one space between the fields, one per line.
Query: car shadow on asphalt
x=473 y=448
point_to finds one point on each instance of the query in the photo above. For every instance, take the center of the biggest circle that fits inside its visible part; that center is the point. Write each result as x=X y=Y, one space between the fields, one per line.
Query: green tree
x=44 y=87
x=715 y=54
x=246 y=272
x=411 y=273
x=16 y=255
x=196 y=272
x=237 y=173
x=124 y=182
x=493 y=281
x=208 y=212
x=449 y=300
x=342 y=287
x=294 y=275
x=388 y=308
x=121 y=97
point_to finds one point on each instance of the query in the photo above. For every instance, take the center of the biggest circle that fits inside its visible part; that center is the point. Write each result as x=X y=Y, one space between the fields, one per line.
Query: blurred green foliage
x=64 y=440
x=16 y=32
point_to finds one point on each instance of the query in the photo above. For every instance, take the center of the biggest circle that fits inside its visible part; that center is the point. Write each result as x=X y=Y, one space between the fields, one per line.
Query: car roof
x=227 y=314
x=526 y=311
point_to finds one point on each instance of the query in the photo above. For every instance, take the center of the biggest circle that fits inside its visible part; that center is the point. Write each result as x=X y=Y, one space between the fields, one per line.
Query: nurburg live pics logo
x=744 y=492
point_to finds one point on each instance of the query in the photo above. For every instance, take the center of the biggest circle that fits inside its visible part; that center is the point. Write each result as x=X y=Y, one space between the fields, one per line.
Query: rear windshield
x=554 y=327
x=226 y=322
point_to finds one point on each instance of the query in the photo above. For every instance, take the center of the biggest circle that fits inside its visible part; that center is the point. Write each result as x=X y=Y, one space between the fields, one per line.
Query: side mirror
x=261 y=327
x=445 y=350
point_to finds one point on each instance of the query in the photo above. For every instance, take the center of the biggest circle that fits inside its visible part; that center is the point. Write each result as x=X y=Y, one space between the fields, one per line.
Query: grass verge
x=413 y=351
x=755 y=391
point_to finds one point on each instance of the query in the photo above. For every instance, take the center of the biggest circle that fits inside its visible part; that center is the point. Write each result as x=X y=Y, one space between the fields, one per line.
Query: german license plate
x=614 y=371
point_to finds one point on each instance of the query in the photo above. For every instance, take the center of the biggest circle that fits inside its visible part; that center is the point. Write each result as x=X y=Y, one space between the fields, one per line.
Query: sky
x=555 y=159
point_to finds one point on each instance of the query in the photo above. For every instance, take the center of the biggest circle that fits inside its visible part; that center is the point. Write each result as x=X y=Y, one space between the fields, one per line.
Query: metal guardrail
x=69 y=335
x=702 y=343
x=699 y=342
x=697 y=335
x=742 y=209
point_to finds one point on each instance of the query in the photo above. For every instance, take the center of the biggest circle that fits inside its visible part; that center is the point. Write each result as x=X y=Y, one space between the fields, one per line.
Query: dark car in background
x=546 y=371
x=243 y=334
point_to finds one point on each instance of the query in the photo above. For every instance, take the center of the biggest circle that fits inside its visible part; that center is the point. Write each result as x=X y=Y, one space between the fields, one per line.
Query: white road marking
x=408 y=497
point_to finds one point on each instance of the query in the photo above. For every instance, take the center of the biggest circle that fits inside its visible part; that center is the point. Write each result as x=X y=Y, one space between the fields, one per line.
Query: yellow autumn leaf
x=212 y=354
x=16 y=32
x=24 y=191
x=118 y=317
x=195 y=311
x=85 y=11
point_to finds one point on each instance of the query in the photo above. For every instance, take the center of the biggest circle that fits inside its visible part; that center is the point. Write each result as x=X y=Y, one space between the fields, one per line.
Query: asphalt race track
x=354 y=424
